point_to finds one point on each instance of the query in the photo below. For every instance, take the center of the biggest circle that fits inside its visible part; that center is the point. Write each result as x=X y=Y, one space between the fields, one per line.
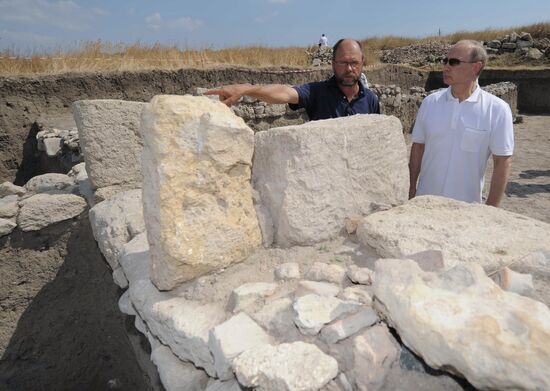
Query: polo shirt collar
x=334 y=84
x=474 y=96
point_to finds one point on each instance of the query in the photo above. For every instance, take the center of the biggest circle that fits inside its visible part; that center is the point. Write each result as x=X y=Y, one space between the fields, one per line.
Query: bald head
x=348 y=45
x=475 y=49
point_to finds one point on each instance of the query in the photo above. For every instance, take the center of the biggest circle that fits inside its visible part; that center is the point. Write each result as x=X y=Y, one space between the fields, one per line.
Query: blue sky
x=41 y=25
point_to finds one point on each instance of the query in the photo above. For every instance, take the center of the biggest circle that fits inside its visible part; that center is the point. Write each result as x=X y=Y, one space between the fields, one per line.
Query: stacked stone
x=320 y=57
x=44 y=200
x=402 y=105
x=522 y=44
x=416 y=55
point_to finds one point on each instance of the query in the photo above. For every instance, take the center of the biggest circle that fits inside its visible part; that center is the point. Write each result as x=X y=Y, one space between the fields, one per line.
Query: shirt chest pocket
x=474 y=139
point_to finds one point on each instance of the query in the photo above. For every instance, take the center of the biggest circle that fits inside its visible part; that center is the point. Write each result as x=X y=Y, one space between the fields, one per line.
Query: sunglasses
x=455 y=61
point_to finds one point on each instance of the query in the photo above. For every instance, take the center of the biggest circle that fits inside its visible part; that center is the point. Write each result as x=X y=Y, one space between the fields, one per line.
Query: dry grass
x=106 y=57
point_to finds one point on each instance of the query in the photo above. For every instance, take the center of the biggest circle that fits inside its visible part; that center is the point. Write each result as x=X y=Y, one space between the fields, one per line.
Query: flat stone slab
x=461 y=321
x=491 y=237
x=51 y=183
x=41 y=210
x=286 y=367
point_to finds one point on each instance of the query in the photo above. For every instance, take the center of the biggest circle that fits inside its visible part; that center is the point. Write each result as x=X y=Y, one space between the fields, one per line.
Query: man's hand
x=230 y=94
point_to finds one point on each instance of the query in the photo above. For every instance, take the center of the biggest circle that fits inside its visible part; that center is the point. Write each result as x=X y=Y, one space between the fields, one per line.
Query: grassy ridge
x=101 y=56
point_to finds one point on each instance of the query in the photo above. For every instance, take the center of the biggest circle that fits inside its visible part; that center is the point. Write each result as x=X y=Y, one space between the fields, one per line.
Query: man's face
x=348 y=64
x=464 y=72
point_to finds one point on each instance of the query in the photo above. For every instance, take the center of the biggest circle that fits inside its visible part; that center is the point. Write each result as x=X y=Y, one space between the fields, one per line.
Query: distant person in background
x=323 y=41
x=457 y=129
x=341 y=95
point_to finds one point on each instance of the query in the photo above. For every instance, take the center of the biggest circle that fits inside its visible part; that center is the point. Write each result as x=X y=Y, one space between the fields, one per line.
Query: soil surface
x=60 y=326
x=61 y=329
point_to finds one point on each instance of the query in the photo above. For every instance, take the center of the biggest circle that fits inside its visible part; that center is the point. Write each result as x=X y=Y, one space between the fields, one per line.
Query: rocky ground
x=56 y=280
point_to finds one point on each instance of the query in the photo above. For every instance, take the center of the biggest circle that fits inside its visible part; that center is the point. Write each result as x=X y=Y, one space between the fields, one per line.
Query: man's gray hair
x=477 y=51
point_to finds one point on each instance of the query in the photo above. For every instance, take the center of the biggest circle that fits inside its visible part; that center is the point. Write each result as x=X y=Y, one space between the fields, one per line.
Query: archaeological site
x=152 y=238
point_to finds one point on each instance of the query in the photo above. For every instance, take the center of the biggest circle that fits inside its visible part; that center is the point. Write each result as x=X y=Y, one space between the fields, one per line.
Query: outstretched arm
x=270 y=93
x=501 y=171
x=415 y=162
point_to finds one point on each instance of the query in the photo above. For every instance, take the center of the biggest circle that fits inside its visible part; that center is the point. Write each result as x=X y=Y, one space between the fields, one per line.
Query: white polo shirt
x=459 y=137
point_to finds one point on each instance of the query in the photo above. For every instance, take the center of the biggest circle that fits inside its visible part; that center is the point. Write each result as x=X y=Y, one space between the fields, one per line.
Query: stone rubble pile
x=416 y=55
x=521 y=44
x=320 y=56
x=44 y=200
x=315 y=316
x=60 y=143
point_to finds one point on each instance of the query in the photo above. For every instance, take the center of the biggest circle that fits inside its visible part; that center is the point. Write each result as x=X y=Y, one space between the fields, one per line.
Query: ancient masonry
x=279 y=260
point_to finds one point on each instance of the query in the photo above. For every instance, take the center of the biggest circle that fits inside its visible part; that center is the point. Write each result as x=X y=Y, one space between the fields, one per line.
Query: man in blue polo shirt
x=339 y=96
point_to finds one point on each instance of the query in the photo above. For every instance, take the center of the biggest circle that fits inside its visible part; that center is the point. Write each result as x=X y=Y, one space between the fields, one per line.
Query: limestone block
x=6 y=226
x=181 y=324
x=41 y=210
x=135 y=259
x=321 y=271
x=287 y=271
x=125 y=305
x=197 y=193
x=460 y=320
x=8 y=188
x=319 y=288
x=80 y=177
x=360 y=275
x=51 y=183
x=312 y=312
x=52 y=146
x=111 y=221
x=120 y=278
x=491 y=237
x=286 y=367
x=277 y=317
x=231 y=338
x=249 y=294
x=343 y=328
x=361 y=294
x=109 y=136
x=9 y=206
x=312 y=176
x=374 y=351
x=217 y=385
x=175 y=374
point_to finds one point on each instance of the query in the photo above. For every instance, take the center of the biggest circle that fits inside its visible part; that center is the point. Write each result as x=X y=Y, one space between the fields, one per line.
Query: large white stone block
x=197 y=194
x=491 y=237
x=109 y=135
x=461 y=321
x=312 y=176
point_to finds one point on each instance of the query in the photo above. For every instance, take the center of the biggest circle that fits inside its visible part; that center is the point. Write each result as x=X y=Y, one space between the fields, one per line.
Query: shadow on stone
x=520 y=190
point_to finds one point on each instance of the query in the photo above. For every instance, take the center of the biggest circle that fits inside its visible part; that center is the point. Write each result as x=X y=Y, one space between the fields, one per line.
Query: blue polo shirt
x=323 y=100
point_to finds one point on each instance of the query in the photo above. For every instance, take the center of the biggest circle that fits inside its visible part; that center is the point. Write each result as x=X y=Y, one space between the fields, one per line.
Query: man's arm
x=270 y=93
x=415 y=162
x=501 y=171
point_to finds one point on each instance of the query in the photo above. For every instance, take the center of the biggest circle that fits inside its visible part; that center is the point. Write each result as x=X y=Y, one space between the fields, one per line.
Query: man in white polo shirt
x=457 y=129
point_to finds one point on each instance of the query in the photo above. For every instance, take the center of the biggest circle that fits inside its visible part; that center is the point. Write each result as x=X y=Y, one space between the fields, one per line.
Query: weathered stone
x=249 y=294
x=476 y=233
x=320 y=271
x=319 y=288
x=512 y=281
x=287 y=271
x=198 y=206
x=6 y=226
x=509 y=46
x=115 y=222
x=534 y=54
x=41 y=210
x=277 y=317
x=52 y=146
x=9 y=206
x=374 y=352
x=429 y=260
x=80 y=177
x=351 y=223
x=119 y=278
x=362 y=294
x=304 y=173
x=343 y=328
x=181 y=324
x=460 y=320
x=312 y=312
x=109 y=136
x=51 y=183
x=495 y=44
x=175 y=374
x=125 y=305
x=216 y=385
x=231 y=338
x=360 y=275
x=134 y=259
x=8 y=188
x=286 y=367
